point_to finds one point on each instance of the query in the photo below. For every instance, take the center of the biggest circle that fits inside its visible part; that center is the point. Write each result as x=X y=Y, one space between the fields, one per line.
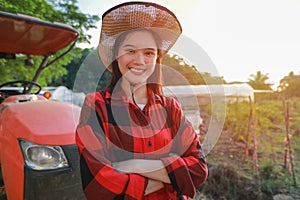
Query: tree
x=72 y=68
x=185 y=74
x=86 y=74
x=289 y=85
x=258 y=81
x=63 y=11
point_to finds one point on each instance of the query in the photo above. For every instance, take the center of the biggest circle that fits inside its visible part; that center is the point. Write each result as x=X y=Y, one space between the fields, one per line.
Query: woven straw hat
x=133 y=15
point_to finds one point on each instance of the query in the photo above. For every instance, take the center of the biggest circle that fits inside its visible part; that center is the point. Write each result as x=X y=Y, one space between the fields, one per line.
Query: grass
x=230 y=178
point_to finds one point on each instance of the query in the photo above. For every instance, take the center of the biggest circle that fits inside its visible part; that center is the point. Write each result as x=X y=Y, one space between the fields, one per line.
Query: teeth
x=136 y=70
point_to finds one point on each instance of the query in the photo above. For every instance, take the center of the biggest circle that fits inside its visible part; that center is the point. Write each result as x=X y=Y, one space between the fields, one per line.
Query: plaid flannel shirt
x=112 y=128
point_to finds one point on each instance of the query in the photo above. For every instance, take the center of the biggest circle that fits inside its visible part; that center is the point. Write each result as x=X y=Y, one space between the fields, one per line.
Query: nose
x=139 y=58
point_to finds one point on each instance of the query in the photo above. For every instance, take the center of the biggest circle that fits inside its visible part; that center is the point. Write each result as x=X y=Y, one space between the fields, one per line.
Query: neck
x=140 y=95
x=137 y=92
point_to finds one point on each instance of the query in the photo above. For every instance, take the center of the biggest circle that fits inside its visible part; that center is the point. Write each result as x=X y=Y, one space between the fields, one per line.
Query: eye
x=130 y=51
x=150 y=53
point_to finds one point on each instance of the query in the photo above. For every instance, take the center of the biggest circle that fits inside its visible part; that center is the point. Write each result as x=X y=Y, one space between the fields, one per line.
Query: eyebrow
x=132 y=46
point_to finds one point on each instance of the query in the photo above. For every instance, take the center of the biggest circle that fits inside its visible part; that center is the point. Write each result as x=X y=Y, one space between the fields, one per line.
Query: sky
x=240 y=37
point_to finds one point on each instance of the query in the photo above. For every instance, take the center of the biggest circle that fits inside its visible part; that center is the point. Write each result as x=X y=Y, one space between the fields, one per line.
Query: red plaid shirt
x=112 y=128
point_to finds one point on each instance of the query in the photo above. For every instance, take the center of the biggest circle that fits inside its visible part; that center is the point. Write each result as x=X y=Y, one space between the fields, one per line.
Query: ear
x=159 y=59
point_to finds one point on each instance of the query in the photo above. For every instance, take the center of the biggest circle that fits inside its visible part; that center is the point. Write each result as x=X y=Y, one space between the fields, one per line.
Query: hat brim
x=135 y=15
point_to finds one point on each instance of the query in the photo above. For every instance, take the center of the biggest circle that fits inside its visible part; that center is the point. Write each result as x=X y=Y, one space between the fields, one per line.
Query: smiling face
x=137 y=56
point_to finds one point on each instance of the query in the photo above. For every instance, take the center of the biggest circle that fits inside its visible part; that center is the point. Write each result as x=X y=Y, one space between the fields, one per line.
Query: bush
x=224 y=182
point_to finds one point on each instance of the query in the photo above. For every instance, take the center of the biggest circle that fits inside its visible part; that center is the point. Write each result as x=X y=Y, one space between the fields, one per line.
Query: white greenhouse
x=188 y=95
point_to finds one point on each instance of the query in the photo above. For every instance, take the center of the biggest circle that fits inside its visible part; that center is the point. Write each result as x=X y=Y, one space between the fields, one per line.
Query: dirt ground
x=2 y=193
x=230 y=178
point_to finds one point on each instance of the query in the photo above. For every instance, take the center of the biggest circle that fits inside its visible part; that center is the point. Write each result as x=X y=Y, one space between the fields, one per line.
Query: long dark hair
x=155 y=80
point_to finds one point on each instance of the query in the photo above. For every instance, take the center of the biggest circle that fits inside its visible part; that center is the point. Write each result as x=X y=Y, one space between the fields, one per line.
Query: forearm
x=158 y=174
x=152 y=169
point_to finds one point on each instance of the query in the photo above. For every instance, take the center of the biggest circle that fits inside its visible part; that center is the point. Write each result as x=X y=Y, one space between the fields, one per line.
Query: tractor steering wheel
x=27 y=85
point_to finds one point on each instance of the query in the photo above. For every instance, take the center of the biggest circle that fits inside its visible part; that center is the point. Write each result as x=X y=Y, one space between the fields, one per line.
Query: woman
x=134 y=142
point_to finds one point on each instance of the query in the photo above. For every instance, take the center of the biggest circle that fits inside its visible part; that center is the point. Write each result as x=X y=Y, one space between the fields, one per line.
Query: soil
x=231 y=178
x=2 y=193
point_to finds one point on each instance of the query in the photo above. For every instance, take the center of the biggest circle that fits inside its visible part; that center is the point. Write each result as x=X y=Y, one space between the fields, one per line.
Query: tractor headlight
x=41 y=157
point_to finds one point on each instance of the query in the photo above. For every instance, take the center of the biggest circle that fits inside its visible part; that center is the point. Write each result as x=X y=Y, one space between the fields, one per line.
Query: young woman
x=134 y=142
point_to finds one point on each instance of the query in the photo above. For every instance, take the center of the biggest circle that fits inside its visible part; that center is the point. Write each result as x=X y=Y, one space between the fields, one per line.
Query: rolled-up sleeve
x=186 y=168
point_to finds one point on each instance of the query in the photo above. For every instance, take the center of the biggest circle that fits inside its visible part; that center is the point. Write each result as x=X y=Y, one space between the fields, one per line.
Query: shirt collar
x=121 y=96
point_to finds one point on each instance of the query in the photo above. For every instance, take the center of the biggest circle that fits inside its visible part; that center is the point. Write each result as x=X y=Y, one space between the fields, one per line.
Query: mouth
x=136 y=70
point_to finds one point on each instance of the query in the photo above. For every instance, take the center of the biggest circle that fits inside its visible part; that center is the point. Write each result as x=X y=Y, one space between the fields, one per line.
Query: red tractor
x=38 y=155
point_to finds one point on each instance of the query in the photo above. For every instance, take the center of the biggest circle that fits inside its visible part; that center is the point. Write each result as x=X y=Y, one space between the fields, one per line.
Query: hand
x=153 y=186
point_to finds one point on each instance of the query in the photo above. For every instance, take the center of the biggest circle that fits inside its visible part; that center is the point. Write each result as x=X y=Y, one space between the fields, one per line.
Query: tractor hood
x=43 y=122
x=23 y=34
